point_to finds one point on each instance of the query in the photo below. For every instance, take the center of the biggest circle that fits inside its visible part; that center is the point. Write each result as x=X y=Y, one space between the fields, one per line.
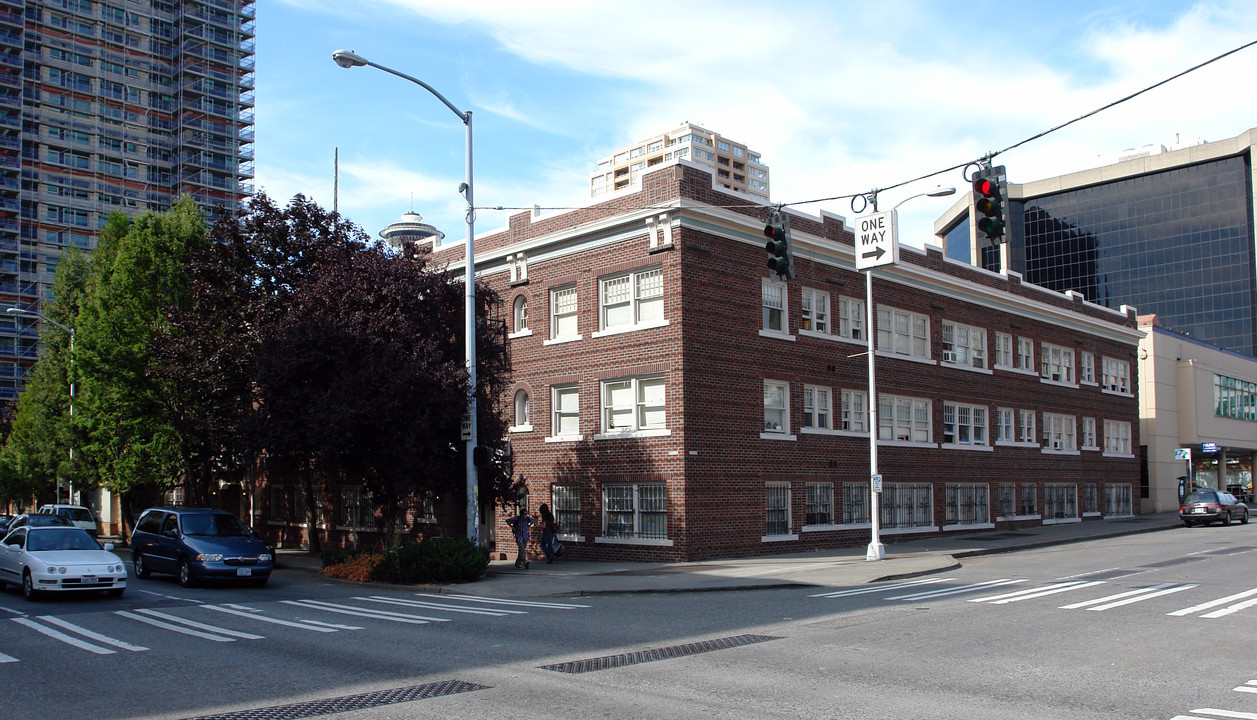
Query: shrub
x=358 y=567
x=435 y=560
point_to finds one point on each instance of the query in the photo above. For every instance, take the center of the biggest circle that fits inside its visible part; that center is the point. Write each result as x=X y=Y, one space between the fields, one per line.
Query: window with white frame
x=851 y=318
x=855 y=413
x=1117 y=500
x=907 y=505
x=776 y=407
x=565 y=411
x=1025 y=354
x=355 y=507
x=637 y=510
x=522 y=418
x=774 y=306
x=1116 y=375
x=1116 y=437
x=855 y=504
x=904 y=419
x=565 y=500
x=1005 y=425
x=1056 y=363
x=632 y=299
x=964 y=424
x=903 y=333
x=1058 y=432
x=1006 y=500
x=519 y=314
x=777 y=508
x=1027 y=499
x=1060 y=501
x=820 y=504
x=817 y=409
x=1025 y=421
x=633 y=404
x=1003 y=350
x=815 y=311
x=1090 y=501
x=1089 y=433
x=967 y=504
x=1087 y=368
x=563 y=314
x=964 y=345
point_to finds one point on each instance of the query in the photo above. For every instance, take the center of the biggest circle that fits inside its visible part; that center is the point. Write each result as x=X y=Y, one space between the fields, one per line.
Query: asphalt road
x=1158 y=625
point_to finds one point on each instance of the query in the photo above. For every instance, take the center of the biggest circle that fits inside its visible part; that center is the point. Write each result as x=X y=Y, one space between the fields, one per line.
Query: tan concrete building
x=733 y=165
x=1200 y=398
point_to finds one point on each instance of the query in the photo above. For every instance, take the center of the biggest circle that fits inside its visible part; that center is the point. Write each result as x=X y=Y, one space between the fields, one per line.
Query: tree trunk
x=312 y=526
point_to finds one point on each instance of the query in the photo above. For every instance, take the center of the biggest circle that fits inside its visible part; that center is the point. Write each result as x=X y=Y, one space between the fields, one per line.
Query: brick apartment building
x=672 y=401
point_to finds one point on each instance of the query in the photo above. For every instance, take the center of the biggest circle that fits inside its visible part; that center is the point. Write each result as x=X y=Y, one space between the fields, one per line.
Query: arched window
x=520 y=313
x=521 y=407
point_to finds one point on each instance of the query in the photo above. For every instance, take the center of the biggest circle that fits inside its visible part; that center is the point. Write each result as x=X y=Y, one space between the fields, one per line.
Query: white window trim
x=558 y=339
x=985 y=445
x=650 y=542
x=995 y=352
x=973 y=331
x=1095 y=435
x=520 y=334
x=1082 y=356
x=629 y=328
x=634 y=431
x=829 y=312
x=784 y=332
x=891 y=334
x=632 y=276
x=829 y=409
x=785 y=433
x=1046 y=428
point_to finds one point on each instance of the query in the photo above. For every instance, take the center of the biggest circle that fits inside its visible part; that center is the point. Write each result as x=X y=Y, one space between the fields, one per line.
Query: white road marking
x=942 y=592
x=500 y=601
x=92 y=635
x=1097 y=601
x=439 y=606
x=880 y=588
x=172 y=627
x=1213 y=603
x=201 y=626
x=274 y=621
x=58 y=635
x=1141 y=598
x=1036 y=592
x=359 y=612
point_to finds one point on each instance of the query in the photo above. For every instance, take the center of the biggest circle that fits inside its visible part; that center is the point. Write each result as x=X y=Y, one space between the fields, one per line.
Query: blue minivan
x=198 y=543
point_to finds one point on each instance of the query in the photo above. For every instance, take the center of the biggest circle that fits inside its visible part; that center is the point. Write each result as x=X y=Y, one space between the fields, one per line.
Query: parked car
x=59 y=558
x=1205 y=506
x=5 y=519
x=197 y=543
x=37 y=520
x=80 y=516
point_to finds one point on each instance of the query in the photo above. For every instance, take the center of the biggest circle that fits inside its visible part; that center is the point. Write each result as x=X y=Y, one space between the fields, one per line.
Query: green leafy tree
x=139 y=274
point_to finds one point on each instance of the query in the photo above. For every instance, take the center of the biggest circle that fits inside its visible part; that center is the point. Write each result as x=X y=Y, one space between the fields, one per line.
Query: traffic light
x=988 y=200
x=780 y=256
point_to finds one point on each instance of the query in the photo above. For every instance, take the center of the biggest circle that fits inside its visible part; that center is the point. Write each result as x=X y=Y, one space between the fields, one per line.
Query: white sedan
x=56 y=559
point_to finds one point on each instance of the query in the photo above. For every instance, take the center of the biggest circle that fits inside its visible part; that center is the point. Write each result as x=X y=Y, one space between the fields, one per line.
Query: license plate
x=89 y=579
x=1198 y=510
x=244 y=572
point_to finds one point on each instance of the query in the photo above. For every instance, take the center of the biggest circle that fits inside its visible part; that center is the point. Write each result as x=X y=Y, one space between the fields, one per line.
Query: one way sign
x=877 y=240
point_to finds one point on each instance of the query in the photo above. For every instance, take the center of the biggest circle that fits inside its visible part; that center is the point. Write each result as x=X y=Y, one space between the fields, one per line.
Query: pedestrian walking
x=521 y=525
x=549 y=534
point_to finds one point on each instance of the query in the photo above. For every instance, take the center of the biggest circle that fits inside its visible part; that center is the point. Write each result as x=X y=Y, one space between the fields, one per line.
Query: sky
x=839 y=97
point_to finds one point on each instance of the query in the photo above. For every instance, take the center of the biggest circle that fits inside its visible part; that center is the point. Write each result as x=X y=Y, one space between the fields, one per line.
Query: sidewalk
x=837 y=567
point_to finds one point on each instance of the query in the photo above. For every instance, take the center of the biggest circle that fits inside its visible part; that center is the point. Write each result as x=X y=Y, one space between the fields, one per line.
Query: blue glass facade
x=1178 y=243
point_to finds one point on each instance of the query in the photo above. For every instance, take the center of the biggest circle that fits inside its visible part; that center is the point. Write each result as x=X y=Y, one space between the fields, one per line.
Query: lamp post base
x=876 y=551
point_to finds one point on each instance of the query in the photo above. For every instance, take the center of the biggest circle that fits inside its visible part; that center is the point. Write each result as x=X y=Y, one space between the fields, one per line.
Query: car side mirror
x=15 y=547
x=108 y=547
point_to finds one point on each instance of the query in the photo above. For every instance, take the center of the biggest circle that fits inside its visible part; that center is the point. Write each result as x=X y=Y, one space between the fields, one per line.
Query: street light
x=347 y=59
x=70 y=330
x=877 y=551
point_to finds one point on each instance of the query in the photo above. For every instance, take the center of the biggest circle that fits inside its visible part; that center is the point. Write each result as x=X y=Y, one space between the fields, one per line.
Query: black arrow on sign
x=875 y=253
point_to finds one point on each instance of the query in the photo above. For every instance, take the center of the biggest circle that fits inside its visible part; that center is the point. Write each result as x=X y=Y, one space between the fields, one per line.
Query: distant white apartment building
x=733 y=165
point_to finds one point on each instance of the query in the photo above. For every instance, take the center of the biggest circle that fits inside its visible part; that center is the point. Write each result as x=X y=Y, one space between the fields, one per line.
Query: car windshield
x=1201 y=496
x=76 y=514
x=46 y=520
x=60 y=539
x=213 y=525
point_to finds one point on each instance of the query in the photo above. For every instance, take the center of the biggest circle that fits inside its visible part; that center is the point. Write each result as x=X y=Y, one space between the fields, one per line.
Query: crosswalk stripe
x=1038 y=592
x=1235 y=715
x=89 y=634
x=359 y=612
x=1233 y=609
x=7 y=658
x=943 y=592
x=172 y=627
x=201 y=626
x=502 y=601
x=1246 y=688
x=1213 y=603
x=879 y=588
x=263 y=618
x=438 y=606
x=67 y=639
x=1097 y=601
x=1141 y=598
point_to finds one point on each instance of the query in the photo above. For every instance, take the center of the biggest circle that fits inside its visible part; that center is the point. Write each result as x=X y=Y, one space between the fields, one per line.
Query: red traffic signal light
x=781 y=257
x=989 y=203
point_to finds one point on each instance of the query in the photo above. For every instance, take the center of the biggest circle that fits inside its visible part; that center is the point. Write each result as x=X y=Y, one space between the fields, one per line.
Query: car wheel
x=141 y=567
x=28 y=587
x=186 y=578
x=1244 y=517
x=1226 y=519
x=1188 y=523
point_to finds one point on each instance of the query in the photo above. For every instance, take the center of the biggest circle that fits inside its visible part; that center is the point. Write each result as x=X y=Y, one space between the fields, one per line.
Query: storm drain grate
x=1175 y=561
x=329 y=706
x=645 y=656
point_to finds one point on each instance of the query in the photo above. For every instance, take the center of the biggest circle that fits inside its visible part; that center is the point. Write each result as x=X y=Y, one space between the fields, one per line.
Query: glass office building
x=1171 y=234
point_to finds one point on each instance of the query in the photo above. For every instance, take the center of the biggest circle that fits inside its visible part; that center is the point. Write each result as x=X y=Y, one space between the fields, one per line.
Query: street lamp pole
x=876 y=550
x=347 y=59
x=70 y=330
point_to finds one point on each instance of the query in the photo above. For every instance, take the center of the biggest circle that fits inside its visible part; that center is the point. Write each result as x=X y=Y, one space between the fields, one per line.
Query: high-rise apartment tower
x=733 y=165
x=111 y=105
